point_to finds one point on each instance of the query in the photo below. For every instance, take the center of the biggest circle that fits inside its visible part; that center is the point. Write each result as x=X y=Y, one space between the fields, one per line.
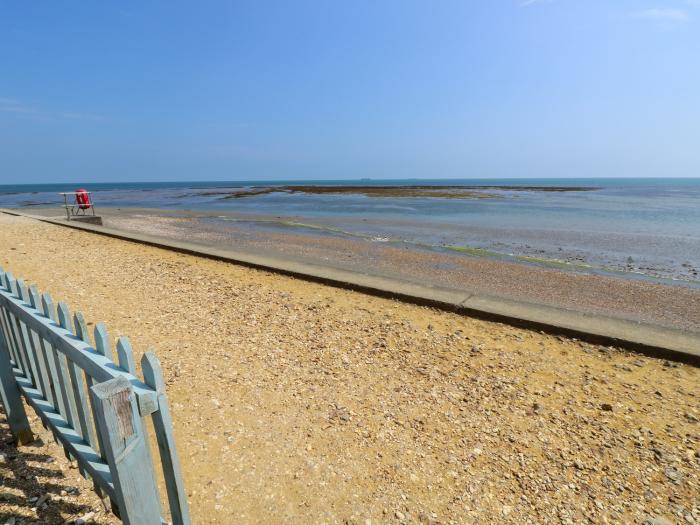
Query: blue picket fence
x=95 y=407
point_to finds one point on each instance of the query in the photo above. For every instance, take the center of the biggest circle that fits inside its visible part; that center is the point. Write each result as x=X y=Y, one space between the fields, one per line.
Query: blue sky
x=139 y=91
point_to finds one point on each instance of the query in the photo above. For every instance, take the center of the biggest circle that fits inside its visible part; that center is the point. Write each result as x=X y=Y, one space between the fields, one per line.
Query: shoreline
x=295 y=402
x=636 y=230
x=572 y=251
x=521 y=277
x=537 y=296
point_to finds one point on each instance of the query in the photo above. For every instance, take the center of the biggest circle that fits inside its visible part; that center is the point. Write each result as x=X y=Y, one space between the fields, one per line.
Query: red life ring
x=82 y=199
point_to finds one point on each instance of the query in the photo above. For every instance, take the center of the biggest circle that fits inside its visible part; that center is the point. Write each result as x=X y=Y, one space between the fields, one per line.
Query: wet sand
x=674 y=306
x=295 y=402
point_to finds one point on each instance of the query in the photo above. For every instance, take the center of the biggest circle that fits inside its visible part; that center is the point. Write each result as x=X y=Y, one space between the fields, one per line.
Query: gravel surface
x=38 y=484
x=299 y=403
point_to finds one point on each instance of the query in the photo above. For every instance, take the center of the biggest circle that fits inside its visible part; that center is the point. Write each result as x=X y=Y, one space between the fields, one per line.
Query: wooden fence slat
x=59 y=369
x=54 y=364
x=81 y=332
x=49 y=312
x=126 y=450
x=94 y=364
x=19 y=335
x=26 y=333
x=42 y=360
x=22 y=362
x=4 y=321
x=68 y=437
x=163 y=425
x=102 y=347
x=125 y=354
x=102 y=344
x=79 y=395
x=9 y=391
x=19 y=344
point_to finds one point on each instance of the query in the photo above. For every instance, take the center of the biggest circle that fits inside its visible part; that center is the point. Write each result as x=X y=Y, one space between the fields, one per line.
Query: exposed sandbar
x=443 y=192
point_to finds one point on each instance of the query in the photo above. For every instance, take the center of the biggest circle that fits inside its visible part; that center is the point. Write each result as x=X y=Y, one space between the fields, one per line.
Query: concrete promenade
x=642 y=337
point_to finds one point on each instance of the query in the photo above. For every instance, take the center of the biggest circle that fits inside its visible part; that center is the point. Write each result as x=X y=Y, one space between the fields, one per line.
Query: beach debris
x=673 y=474
x=606 y=407
x=85 y=518
x=657 y=520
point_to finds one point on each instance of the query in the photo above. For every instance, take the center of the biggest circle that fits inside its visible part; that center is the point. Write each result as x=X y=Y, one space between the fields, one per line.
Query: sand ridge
x=299 y=403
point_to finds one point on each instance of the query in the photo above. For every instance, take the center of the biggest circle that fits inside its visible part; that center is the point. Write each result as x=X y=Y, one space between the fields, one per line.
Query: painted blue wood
x=47 y=388
x=102 y=344
x=78 y=389
x=64 y=377
x=81 y=332
x=14 y=328
x=125 y=355
x=17 y=285
x=104 y=348
x=49 y=314
x=100 y=368
x=81 y=329
x=11 y=288
x=85 y=456
x=55 y=359
x=127 y=452
x=26 y=335
x=14 y=409
x=5 y=324
x=163 y=426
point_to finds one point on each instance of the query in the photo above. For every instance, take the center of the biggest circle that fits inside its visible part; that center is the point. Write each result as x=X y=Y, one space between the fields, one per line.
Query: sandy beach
x=295 y=402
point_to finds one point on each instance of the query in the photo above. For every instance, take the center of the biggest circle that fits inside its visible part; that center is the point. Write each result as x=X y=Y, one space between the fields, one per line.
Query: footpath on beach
x=297 y=402
x=646 y=337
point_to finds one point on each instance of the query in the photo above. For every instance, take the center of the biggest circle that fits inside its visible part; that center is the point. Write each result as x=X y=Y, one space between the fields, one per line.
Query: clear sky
x=147 y=90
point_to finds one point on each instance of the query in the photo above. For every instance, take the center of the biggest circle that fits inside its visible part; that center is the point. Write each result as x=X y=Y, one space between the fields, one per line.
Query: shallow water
x=641 y=226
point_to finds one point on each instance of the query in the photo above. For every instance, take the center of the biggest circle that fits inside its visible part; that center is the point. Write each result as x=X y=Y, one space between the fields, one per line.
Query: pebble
x=84 y=518
x=657 y=521
x=673 y=474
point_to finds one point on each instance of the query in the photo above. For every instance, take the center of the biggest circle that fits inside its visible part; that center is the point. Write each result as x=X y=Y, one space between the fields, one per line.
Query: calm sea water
x=644 y=226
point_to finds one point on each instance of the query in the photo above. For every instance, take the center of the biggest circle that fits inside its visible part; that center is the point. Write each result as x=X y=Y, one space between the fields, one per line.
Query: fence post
x=163 y=426
x=125 y=449
x=14 y=409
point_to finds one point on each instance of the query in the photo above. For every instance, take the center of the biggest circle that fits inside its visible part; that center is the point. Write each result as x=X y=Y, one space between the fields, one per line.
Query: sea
x=634 y=227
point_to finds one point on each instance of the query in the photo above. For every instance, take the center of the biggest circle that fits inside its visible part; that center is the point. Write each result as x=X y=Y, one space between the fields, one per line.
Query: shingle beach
x=296 y=402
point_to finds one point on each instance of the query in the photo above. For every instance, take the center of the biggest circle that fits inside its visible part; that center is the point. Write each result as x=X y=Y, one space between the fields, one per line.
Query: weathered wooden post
x=126 y=451
x=14 y=409
x=163 y=425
